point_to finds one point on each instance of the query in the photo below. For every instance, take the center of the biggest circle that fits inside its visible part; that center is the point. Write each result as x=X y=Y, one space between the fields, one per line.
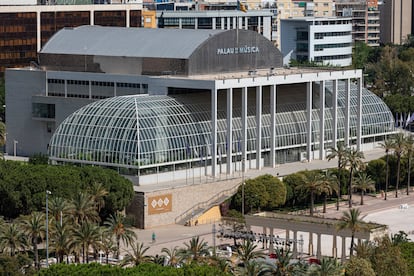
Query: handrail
x=207 y=202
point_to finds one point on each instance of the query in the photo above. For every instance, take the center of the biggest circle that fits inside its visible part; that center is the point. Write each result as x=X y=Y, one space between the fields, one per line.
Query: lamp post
x=242 y=187
x=14 y=147
x=47 y=227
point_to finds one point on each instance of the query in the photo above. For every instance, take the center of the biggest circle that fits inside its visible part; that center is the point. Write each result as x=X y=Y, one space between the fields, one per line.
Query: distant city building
x=290 y=8
x=326 y=41
x=365 y=19
x=255 y=20
x=25 y=29
x=396 y=20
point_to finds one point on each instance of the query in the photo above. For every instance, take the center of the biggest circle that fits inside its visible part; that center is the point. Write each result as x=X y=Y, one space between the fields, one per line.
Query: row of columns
x=258 y=118
x=298 y=244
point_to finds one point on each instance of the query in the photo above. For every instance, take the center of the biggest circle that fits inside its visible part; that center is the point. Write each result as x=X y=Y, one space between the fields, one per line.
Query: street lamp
x=47 y=227
x=242 y=187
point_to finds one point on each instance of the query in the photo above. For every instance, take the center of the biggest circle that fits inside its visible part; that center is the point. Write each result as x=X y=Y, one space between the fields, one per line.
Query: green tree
x=355 y=163
x=61 y=239
x=12 y=239
x=33 y=226
x=194 y=251
x=359 y=267
x=360 y=54
x=387 y=145
x=83 y=209
x=409 y=147
x=86 y=235
x=376 y=169
x=310 y=184
x=353 y=221
x=340 y=152
x=98 y=193
x=365 y=250
x=171 y=255
x=387 y=259
x=327 y=267
x=328 y=186
x=398 y=146
x=117 y=228
x=364 y=183
x=247 y=252
x=137 y=256
x=275 y=189
x=407 y=253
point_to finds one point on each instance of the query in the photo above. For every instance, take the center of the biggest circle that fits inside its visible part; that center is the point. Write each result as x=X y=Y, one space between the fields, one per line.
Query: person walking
x=153 y=237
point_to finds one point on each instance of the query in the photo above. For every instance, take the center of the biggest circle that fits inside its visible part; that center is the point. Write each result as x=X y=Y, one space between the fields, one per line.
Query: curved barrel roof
x=127 y=42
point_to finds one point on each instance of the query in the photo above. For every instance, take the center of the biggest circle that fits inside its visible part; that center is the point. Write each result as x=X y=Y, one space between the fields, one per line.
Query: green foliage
x=15 y=265
x=23 y=186
x=361 y=53
x=407 y=253
x=296 y=197
x=376 y=170
x=387 y=259
x=358 y=267
x=39 y=159
x=148 y=269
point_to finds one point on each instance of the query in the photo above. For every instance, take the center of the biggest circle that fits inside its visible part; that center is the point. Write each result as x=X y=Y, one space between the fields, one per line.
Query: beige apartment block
x=396 y=19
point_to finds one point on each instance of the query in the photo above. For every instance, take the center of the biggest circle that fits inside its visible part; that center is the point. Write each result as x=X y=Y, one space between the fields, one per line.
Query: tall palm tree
x=117 y=228
x=328 y=185
x=194 y=251
x=353 y=221
x=310 y=185
x=98 y=193
x=399 y=142
x=355 y=163
x=137 y=256
x=107 y=244
x=364 y=183
x=409 y=147
x=247 y=252
x=12 y=239
x=387 y=145
x=171 y=255
x=33 y=226
x=339 y=152
x=83 y=209
x=61 y=239
x=86 y=235
x=59 y=208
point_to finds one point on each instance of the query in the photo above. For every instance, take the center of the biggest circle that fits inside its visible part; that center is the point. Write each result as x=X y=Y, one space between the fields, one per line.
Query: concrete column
x=244 y=127
x=180 y=23
x=196 y=23
x=246 y=23
x=273 y=126
x=347 y=110
x=309 y=120
x=213 y=23
x=235 y=23
x=343 y=249
x=38 y=31
x=66 y=88
x=90 y=89
x=319 y=247
x=334 y=113
x=240 y=22
x=259 y=25
x=213 y=132
x=258 y=126
x=229 y=135
x=310 y=248
x=228 y=23
x=287 y=238
x=271 y=241
x=92 y=17
x=128 y=18
x=359 y=112
x=264 y=237
x=295 y=244
x=223 y=23
x=322 y=120
x=334 y=247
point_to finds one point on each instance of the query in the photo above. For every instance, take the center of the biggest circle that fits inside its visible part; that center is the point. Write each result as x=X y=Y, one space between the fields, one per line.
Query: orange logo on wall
x=159 y=204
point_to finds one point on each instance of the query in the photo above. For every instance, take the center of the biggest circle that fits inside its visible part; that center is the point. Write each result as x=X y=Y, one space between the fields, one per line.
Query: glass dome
x=146 y=132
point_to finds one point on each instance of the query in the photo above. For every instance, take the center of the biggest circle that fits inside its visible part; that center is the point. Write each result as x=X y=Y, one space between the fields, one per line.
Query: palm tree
x=33 y=226
x=310 y=185
x=247 y=252
x=83 y=209
x=116 y=227
x=365 y=250
x=327 y=186
x=87 y=235
x=12 y=238
x=409 y=149
x=327 y=267
x=399 y=142
x=364 y=183
x=353 y=221
x=137 y=256
x=387 y=145
x=171 y=255
x=61 y=239
x=339 y=152
x=98 y=193
x=107 y=244
x=283 y=265
x=195 y=251
x=252 y=268
x=355 y=163
x=58 y=207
